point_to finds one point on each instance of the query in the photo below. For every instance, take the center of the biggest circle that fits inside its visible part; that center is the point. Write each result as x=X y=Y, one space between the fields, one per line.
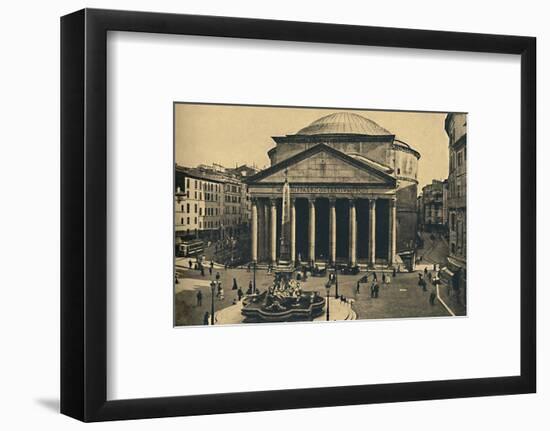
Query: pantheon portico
x=352 y=194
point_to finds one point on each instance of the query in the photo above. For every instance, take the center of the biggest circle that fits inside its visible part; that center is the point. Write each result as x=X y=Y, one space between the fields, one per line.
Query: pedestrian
x=190 y=264
x=217 y=276
x=248 y=268
x=430 y=276
x=210 y=271
x=250 y=287
x=374 y=276
x=176 y=280
x=383 y=278
x=212 y=264
x=202 y=270
x=394 y=272
x=433 y=294
x=423 y=282
x=199 y=298
x=235 y=286
x=239 y=293
x=376 y=290
x=358 y=285
x=206 y=318
x=388 y=279
x=425 y=270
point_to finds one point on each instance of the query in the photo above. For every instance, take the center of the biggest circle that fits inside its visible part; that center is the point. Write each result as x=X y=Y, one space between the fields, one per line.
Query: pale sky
x=235 y=135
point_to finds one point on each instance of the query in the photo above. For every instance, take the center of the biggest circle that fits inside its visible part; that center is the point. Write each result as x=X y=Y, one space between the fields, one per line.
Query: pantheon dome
x=356 y=136
x=344 y=123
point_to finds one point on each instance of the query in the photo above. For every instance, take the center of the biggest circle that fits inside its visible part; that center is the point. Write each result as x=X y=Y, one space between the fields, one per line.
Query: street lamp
x=336 y=280
x=212 y=289
x=254 y=275
x=327 y=287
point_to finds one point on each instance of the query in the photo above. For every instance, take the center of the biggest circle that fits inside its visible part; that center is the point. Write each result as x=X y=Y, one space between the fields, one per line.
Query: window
x=195 y=220
x=181 y=220
x=187 y=182
x=188 y=220
x=182 y=208
x=195 y=209
x=200 y=211
x=188 y=209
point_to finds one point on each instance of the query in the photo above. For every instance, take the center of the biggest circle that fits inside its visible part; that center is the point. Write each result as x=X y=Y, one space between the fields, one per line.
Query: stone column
x=273 y=239
x=372 y=231
x=261 y=229
x=254 y=231
x=293 y=230
x=352 y=233
x=311 y=202
x=332 y=230
x=392 y=237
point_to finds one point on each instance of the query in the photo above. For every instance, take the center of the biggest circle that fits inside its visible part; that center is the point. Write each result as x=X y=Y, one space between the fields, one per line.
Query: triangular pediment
x=323 y=164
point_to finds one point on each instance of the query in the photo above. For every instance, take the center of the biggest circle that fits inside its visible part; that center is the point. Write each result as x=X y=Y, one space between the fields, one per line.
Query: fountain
x=284 y=300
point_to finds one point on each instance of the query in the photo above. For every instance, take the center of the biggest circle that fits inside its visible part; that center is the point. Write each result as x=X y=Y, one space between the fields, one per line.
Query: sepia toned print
x=286 y=214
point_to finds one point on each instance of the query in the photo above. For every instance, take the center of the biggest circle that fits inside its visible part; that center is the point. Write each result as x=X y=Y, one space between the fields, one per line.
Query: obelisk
x=285 y=224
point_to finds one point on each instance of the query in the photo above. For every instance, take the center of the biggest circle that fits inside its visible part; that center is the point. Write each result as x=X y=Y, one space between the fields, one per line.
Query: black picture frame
x=84 y=214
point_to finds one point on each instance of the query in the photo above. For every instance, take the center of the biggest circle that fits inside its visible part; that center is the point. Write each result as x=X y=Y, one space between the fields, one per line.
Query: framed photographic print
x=278 y=199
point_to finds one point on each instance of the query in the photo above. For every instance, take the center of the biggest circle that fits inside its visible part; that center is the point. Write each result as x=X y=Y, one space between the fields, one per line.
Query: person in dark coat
x=376 y=289
x=240 y=293
x=374 y=276
x=235 y=286
x=199 y=298
x=383 y=278
x=206 y=318
x=190 y=264
x=357 y=287
x=433 y=295
x=217 y=276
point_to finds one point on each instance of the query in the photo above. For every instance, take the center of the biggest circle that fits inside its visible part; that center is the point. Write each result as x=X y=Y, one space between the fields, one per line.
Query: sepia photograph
x=302 y=214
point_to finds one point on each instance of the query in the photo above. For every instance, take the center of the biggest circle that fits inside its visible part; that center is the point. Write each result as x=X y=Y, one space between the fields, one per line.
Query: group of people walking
x=434 y=282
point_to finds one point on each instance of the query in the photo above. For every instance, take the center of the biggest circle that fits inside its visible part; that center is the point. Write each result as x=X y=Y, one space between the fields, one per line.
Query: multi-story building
x=197 y=203
x=210 y=202
x=434 y=206
x=456 y=128
x=243 y=172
